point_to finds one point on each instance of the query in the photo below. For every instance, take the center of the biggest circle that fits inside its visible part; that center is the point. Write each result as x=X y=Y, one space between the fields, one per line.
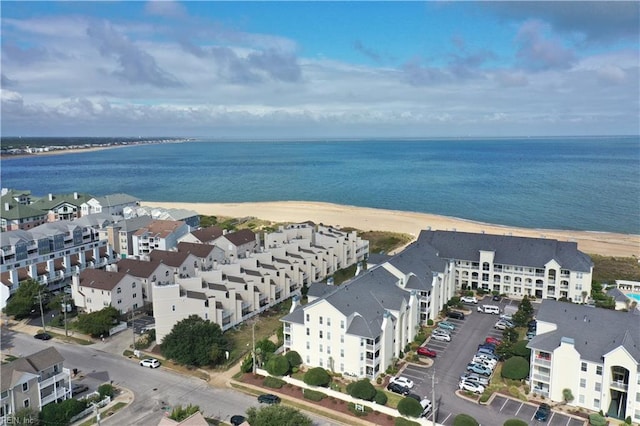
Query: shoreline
x=372 y=219
x=80 y=150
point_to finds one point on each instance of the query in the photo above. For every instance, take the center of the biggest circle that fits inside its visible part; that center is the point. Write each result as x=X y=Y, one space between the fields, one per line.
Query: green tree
x=567 y=395
x=24 y=416
x=277 y=415
x=520 y=349
x=409 y=407
x=25 y=299
x=317 y=376
x=515 y=368
x=464 y=420
x=278 y=365
x=99 y=322
x=294 y=358
x=106 y=389
x=247 y=364
x=362 y=389
x=179 y=414
x=195 y=341
x=381 y=397
x=60 y=413
x=265 y=348
x=510 y=334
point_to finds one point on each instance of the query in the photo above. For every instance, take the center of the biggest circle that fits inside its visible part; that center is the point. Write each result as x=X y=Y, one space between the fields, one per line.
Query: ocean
x=557 y=183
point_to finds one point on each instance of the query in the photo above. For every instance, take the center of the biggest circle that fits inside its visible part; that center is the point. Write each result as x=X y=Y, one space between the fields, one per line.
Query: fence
x=92 y=409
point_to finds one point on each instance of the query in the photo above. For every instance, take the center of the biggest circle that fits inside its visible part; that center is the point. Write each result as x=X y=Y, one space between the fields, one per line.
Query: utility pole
x=433 y=395
x=44 y=328
x=253 y=338
x=133 y=329
x=64 y=308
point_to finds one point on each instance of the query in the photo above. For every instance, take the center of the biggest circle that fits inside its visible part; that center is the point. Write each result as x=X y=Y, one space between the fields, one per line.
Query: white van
x=489 y=309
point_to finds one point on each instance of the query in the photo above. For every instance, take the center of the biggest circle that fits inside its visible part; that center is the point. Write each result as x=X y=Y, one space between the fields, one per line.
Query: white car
x=441 y=336
x=502 y=325
x=150 y=362
x=402 y=381
x=471 y=386
x=441 y=331
x=485 y=362
x=467 y=299
x=426 y=407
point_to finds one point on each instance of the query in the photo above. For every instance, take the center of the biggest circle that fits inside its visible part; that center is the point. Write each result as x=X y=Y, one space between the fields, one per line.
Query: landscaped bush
x=317 y=376
x=380 y=398
x=362 y=389
x=313 y=395
x=429 y=322
x=597 y=419
x=401 y=421
x=106 y=390
x=60 y=413
x=515 y=422
x=515 y=367
x=520 y=349
x=464 y=420
x=273 y=382
x=278 y=365
x=484 y=397
x=409 y=407
x=247 y=364
x=294 y=358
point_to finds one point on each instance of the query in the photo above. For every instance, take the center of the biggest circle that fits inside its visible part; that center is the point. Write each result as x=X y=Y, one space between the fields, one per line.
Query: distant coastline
x=28 y=151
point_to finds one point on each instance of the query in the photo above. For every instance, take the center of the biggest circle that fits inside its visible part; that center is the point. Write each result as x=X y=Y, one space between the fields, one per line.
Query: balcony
x=619 y=385
x=542 y=377
x=287 y=328
x=542 y=361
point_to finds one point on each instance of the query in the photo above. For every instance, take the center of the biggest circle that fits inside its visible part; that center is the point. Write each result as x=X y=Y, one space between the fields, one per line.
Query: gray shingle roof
x=32 y=364
x=320 y=289
x=116 y=200
x=241 y=237
x=509 y=250
x=137 y=268
x=595 y=331
x=197 y=249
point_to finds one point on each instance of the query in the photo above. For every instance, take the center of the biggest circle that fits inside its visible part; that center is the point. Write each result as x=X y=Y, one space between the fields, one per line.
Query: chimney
x=50 y=197
x=75 y=195
x=6 y=207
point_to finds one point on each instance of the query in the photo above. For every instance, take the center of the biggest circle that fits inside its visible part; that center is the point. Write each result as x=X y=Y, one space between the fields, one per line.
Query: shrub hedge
x=401 y=421
x=313 y=395
x=362 y=389
x=380 y=398
x=464 y=420
x=317 y=376
x=409 y=407
x=273 y=382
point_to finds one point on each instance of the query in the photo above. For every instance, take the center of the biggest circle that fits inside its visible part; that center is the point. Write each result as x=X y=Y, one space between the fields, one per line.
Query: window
x=308 y=359
x=173 y=308
x=133 y=285
x=583 y=366
x=342 y=324
x=308 y=345
x=307 y=317
x=118 y=290
x=598 y=387
x=328 y=321
x=320 y=334
x=583 y=383
x=342 y=354
x=320 y=362
x=166 y=274
x=342 y=368
x=596 y=403
x=119 y=301
x=308 y=331
x=328 y=335
x=320 y=347
x=26 y=403
x=135 y=295
x=25 y=387
x=581 y=399
x=320 y=320
x=342 y=338
x=329 y=350
x=599 y=370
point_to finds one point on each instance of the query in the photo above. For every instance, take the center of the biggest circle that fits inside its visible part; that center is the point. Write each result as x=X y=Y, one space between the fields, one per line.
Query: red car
x=422 y=350
x=493 y=341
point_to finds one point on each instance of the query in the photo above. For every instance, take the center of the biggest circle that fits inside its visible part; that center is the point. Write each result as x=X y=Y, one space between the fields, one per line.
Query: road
x=153 y=388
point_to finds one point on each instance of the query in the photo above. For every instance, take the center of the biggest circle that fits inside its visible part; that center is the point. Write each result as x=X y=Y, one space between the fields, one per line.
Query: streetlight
x=44 y=328
x=253 y=338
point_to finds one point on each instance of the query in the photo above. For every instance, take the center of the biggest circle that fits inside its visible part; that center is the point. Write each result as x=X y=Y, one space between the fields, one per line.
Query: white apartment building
x=203 y=235
x=158 y=235
x=50 y=253
x=112 y=204
x=33 y=382
x=593 y=352
x=148 y=272
x=515 y=266
x=238 y=244
x=95 y=289
x=426 y=275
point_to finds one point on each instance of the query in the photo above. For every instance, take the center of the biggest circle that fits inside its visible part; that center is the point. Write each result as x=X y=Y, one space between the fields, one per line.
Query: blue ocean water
x=559 y=183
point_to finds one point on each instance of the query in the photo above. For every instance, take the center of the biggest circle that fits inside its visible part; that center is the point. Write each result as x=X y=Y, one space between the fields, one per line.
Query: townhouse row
x=360 y=327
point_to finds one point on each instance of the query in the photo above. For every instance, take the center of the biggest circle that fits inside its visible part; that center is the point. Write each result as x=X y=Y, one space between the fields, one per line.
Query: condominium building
x=112 y=204
x=50 y=253
x=593 y=352
x=411 y=287
x=95 y=289
x=158 y=235
x=16 y=212
x=61 y=206
x=120 y=234
x=515 y=266
x=203 y=235
x=238 y=244
x=33 y=382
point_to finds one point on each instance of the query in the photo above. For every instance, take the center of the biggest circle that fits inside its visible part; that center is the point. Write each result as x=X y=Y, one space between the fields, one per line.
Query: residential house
x=33 y=382
x=17 y=215
x=95 y=289
x=148 y=272
x=62 y=206
x=158 y=235
x=120 y=234
x=189 y=217
x=112 y=204
x=196 y=419
x=203 y=235
x=238 y=244
x=208 y=256
x=593 y=352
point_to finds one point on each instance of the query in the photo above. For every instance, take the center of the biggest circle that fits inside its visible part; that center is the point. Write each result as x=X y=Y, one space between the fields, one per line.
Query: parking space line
x=518 y=410
x=505 y=403
x=446 y=418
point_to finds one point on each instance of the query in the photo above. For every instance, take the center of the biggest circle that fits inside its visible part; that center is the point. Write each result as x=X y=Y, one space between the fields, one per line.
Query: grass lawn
x=266 y=326
x=393 y=399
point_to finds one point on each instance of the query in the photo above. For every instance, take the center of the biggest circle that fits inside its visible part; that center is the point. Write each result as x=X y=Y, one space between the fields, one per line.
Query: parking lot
x=525 y=411
x=141 y=323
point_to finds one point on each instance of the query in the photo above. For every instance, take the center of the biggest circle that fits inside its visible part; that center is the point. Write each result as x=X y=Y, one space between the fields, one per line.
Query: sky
x=323 y=69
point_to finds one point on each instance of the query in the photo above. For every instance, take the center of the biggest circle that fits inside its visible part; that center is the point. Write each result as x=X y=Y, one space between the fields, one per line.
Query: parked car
x=493 y=341
x=426 y=407
x=471 y=386
x=531 y=335
x=503 y=325
x=268 y=398
x=237 y=420
x=480 y=369
x=469 y=299
x=78 y=388
x=43 y=336
x=150 y=362
x=542 y=413
x=496 y=298
x=402 y=381
x=398 y=388
x=475 y=377
x=486 y=362
x=488 y=347
x=441 y=331
x=484 y=355
x=507 y=317
x=424 y=351
x=414 y=396
x=455 y=315
x=441 y=336
x=447 y=325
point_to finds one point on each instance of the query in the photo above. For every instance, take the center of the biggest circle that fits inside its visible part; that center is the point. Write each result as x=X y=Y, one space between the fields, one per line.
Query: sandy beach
x=369 y=219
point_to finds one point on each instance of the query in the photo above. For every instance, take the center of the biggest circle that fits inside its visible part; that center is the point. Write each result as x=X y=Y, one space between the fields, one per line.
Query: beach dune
x=371 y=219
